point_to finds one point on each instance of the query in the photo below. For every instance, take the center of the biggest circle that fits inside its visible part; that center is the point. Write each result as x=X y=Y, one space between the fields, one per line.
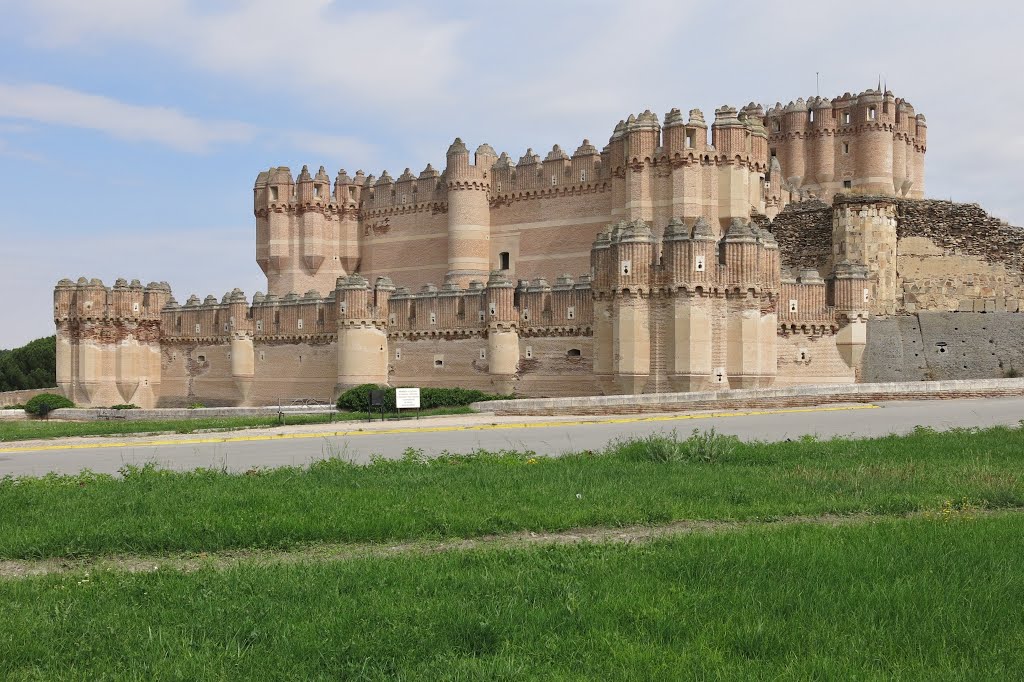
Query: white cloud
x=167 y=126
x=327 y=52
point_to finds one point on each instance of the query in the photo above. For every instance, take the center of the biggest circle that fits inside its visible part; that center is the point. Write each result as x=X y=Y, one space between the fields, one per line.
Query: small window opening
x=504 y=260
x=699 y=264
x=273 y=194
x=481 y=316
x=300 y=324
x=483 y=354
x=197 y=329
x=583 y=176
x=529 y=352
x=571 y=312
x=554 y=181
x=259 y=325
x=810 y=115
x=626 y=266
x=433 y=318
x=262 y=356
x=846 y=147
x=316 y=191
x=352 y=193
x=846 y=117
x=792 y=305
x=201 y=358
x=773 y=152
x=847 y=184
x=498 y=186
x=438 y=362
x=493 y=309
x=398 y=354
x=689 y=139
x=573 y=353
x=872 y=114
x=775 y=126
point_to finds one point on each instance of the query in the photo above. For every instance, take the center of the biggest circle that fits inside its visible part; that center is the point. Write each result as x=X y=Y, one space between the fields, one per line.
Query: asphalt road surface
x=294 y=446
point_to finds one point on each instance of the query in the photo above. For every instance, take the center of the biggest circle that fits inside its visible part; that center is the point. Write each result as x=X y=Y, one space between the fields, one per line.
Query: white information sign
x=407 y=398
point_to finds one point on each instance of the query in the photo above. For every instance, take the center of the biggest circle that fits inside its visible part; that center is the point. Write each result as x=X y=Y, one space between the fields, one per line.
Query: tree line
x=34 y=365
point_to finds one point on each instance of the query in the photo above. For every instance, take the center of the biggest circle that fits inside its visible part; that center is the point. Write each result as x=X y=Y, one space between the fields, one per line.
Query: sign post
x=407 y=398
x=376 y=399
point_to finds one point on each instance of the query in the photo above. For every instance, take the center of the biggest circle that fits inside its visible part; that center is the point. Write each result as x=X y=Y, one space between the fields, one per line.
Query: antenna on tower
x=817 y=83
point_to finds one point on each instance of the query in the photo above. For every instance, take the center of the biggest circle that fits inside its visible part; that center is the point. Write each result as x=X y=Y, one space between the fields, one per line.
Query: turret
x=502 y=333
x=362 y=339
x=469 y=217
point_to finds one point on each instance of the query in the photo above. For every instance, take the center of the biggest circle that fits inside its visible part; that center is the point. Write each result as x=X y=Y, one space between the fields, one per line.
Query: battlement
x=90 y=300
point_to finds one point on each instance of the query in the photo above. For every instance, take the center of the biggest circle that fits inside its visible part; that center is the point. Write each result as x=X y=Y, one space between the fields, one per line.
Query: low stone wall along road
x=300 y=445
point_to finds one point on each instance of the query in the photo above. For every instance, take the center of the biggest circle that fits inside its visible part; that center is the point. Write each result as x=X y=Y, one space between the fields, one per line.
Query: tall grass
x=922 y=599
x=155 y=511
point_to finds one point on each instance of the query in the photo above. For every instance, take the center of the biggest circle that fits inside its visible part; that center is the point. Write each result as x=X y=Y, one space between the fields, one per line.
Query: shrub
x=18 y=406
x=195 y=406
x=357 y=398
x=127 y=406
x=701 y=446
x=45 y=403
x=1012 y=373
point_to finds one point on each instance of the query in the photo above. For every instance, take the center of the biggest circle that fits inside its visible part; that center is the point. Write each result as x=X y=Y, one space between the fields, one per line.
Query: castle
x=665 y=261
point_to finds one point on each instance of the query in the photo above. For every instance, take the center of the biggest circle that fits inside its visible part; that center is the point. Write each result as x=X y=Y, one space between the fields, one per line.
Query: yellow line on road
x=430 y=429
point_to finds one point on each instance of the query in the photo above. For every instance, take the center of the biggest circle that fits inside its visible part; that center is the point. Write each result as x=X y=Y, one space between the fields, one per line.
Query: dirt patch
x=187 y=563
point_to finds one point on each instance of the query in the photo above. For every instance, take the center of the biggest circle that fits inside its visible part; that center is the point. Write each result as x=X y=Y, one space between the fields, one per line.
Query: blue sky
x=131 y=130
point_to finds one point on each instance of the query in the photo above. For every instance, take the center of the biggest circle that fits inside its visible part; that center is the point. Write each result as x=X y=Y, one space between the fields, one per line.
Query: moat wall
x=940 y=345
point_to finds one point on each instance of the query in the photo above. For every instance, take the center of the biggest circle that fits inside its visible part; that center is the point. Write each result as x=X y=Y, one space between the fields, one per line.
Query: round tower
x=502 y=333
x=873 y=143
x=362 y=339
x=469 y=218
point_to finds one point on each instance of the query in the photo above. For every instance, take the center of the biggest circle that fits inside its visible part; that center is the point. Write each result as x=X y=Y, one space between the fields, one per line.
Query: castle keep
x=755 y=251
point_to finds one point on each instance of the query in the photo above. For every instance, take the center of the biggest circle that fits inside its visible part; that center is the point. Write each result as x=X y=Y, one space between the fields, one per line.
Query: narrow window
x=529 y=351
x=689 y=139
x=483 y=354
x=135 y=307
x=810 y=115
x=526 y=313
x=352 y=193
x=846 y=117
x=775 y=126
x=498 y=186
x=872 y=113
x=438 y=361
x=583 y=176
x=398 y=354
x=225 y=326
x=316 y=191
x=343 y=307
x=259 y=325
x=504 y=260
x=773 y=152
x=481 y=316
x=300 y=324
x=846 y=147
x=433 y=318
x=867 y=295
x=197 y=329
x=699 y=265
x=494 y=309
x=847 y=184
x=792 y=305
x=273 y=194
x=571 y=312
x=573 y=353
x=262 y=356
x=626 y=265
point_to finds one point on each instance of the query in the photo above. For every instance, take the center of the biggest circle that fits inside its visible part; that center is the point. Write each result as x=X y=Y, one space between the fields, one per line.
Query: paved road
x=238 y=451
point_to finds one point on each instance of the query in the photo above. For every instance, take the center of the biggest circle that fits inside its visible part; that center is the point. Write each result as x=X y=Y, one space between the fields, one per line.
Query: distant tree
x=34 y=365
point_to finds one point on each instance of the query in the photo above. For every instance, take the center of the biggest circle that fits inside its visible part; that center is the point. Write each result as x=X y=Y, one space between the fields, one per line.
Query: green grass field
x=152 y=512
x=923 y=599
x=31 y=430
